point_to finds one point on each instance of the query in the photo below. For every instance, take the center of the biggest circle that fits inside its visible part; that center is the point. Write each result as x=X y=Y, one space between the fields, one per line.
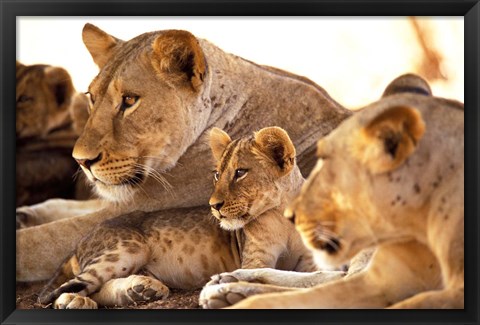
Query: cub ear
x=389 y=139
x=178 y=52
x=275 y=145
x=18 y=65
x=219 y=140
x=60 y=84
x=99 y=44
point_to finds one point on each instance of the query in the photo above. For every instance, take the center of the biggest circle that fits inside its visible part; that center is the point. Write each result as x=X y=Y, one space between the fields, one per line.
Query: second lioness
x=255 y=177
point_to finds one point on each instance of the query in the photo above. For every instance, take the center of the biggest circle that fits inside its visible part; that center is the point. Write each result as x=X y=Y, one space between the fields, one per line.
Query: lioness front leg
x=397 y=271
x=452 y=298
x=55 y=209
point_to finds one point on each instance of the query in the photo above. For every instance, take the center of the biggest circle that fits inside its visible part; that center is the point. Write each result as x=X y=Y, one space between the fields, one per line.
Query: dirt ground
x=27 y=294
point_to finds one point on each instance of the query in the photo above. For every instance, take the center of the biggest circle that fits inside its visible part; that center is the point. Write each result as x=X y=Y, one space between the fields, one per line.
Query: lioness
x=390 y=177
x=255 y=177
x=49 y=117
x=153 y=103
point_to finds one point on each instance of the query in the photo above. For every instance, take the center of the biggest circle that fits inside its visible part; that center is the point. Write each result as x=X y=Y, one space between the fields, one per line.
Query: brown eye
x=240 y=173
x=128 y=101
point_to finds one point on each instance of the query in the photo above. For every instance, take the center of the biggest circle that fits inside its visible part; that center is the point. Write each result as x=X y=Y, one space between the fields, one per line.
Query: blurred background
x=352 y=58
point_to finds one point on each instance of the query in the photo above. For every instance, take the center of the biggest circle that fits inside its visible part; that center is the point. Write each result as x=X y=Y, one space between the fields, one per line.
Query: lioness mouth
x=136 y=179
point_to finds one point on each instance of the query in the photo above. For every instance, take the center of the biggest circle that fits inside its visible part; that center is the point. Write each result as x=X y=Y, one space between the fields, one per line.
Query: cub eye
x=216 y=175
x=23 y=99
x=128 y=101
x=240 y=173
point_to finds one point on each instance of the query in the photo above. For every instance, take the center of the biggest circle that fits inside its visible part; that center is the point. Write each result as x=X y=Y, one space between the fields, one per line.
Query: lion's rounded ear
x=219 y=140
x=389 y=139
x=99 y=44
x=60 y=84
x=178 y=52
x=275 y=145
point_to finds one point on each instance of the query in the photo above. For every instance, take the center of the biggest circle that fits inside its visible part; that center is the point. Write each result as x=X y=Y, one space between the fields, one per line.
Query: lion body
x=161 y=137
x=48 y=122
x=390 y=177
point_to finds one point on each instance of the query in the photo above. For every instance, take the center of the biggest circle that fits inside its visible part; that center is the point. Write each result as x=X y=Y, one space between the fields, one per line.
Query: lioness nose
x=217 y=206
x=87 y=163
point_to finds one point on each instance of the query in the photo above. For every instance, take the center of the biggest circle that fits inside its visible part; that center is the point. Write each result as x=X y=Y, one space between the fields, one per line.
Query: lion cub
x=255 y=178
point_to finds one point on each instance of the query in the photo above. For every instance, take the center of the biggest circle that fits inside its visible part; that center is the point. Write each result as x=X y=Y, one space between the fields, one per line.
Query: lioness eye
x=128 y=101
x=240 y=173
x=23 y=99
x=216 y=175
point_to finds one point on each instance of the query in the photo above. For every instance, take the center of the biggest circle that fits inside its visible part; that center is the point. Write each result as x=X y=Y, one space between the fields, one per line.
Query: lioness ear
x=275 y=144
x=219 y=140
x=389 y=139
x=60 y=84
x=178 y=51
x=18 y=65
x=99 y=44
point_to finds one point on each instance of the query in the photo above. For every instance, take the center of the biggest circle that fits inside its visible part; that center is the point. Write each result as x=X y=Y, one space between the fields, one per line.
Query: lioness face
x=340 y=209
x=145 y=108
x=43 y=96
x=246 y=175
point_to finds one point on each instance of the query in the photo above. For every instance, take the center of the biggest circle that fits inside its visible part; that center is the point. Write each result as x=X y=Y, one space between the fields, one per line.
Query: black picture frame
x=11 y=9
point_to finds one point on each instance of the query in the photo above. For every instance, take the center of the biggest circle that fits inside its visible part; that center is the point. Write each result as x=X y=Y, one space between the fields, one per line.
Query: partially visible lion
x=390 y=177
x=152 y=106
x=50 y=116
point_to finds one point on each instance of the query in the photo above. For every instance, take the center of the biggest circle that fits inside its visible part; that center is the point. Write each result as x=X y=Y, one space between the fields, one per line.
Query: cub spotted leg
x=130 y=290
x=41 y=249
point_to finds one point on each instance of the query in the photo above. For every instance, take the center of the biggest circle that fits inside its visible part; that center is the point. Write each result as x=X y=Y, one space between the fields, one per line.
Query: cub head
x=146 y=107
x=344 y=204
x=251 y=174
x=43 y=94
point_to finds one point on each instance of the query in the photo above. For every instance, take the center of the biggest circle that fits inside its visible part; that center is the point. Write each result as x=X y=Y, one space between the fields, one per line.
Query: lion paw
x=143 y=288
x=74 y=301
x=223 y=295
x=245 y=275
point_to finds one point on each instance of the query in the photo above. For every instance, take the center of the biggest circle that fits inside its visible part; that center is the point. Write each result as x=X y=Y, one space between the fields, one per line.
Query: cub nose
x=87 y=163
x=217 y=206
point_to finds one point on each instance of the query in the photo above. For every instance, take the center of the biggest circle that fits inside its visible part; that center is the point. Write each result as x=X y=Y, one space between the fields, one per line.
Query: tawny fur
x=152 y=155
x=186 y=247
x=411 y=209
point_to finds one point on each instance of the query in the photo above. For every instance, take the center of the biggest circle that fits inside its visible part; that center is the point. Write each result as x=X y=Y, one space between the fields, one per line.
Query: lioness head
x=346 y=202
x=248 y=174
x=44 y=94
x=146 y=107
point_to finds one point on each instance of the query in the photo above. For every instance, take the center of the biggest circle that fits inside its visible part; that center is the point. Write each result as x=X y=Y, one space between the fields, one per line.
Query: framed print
x=198 y=139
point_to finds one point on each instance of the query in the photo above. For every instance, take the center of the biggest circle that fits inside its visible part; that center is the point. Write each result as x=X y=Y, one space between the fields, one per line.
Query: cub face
x=247 y=174
x=146 y=107
x=344 y=205
x=43 y=95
